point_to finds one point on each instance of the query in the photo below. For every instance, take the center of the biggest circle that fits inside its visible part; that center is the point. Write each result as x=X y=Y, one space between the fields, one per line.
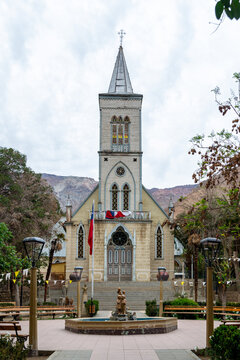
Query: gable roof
x=75 y=212
x=159 y=206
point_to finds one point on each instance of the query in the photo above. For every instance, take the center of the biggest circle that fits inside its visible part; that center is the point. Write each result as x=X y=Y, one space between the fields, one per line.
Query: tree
x=223 y=270
x=220 y=161
x=9 y=259
x=231 y=8
x=219 y=169
x=27 y=203
x=55 y=245
x=192 y=226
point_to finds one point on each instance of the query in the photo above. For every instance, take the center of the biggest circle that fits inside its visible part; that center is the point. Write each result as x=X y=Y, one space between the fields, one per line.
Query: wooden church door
x=119 y=257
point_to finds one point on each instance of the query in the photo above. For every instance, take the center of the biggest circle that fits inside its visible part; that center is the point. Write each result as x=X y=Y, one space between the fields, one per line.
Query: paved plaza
x=53 y=336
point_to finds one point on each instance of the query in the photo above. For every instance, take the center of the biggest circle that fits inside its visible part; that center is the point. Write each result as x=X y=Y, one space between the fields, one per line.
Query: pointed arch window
x=114 y=134
x=80 y=242
x=120 y=133
x=126 y=127
x=114 y=197
x=159 y=243
x=126 y=197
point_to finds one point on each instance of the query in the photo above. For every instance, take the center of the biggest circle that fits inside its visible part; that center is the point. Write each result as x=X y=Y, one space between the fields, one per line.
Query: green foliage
x=151 y=307
x=225 y=343
x=49 y=303
x=6 y=304
x=27 y=204
x=12 y=165
x=222 y=271
x=185 y=302
x=88 y=304
x=11 y=350
x=236 y=304
x=230 y=7
x=9 y=259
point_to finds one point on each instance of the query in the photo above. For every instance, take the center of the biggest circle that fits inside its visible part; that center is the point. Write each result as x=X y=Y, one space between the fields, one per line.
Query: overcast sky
x=57 y=55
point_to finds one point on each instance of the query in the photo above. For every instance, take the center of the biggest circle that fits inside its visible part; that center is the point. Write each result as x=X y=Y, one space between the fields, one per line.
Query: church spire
x=120 y=81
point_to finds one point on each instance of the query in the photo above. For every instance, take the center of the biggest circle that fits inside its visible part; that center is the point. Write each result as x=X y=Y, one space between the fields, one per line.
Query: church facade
x=130 y=241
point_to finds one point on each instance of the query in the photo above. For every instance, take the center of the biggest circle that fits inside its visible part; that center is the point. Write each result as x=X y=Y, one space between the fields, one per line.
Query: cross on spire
x=121 y=33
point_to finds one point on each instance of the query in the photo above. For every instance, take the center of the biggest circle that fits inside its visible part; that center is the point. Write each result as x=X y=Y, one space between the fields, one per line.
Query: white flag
x=25 y=272
x=8 y=275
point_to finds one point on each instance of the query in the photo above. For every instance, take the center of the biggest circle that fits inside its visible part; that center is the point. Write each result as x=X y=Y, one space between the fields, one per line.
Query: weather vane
x=121 y=33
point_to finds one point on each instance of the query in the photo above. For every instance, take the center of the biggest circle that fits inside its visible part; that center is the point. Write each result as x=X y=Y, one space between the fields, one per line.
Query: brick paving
x=53 y=336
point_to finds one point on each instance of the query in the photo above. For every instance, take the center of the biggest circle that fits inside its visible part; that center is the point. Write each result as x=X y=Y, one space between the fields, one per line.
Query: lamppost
x=161 y=276
x=210 y=248
x=76 y=277
x=33 y=247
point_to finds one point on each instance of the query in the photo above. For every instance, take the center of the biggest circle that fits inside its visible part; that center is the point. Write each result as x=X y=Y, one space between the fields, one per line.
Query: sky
x=57 y=55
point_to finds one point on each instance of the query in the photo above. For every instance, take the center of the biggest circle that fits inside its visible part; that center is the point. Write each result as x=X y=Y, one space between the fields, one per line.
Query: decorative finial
x=69 y=201
x=121 y=33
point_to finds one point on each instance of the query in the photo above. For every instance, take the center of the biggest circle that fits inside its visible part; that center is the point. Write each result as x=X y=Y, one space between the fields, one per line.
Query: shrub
x=151 y=308
x=49 y=303
x=88 y=304
x=10 y=350
x=185 y=302
x=225 y=343
x=6 y=304
x=236 y=304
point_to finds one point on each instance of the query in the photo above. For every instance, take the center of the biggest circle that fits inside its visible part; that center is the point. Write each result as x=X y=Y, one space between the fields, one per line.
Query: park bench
x=3 y=303
x=174 y=309
x=201 y=310
x=12 y=328
x=233 y=311
x=53 y=311
x=23 y=311
x=231 y=322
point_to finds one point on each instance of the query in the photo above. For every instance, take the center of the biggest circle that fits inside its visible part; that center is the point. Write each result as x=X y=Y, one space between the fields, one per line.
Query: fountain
x=121 y=322
x=121 y=313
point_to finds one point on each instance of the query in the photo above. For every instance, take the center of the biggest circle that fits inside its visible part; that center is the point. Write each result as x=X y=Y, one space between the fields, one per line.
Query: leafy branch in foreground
x=231 y=8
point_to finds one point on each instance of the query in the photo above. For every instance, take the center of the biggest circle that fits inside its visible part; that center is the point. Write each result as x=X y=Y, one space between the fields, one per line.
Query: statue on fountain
x=121 y=313
x=121 y=302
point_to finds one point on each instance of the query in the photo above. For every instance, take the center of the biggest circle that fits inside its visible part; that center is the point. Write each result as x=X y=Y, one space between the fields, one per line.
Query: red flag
x=109 y=214
x=90 y=235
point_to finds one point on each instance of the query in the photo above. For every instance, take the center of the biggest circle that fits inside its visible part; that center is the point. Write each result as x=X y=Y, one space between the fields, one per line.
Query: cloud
x=57 y=56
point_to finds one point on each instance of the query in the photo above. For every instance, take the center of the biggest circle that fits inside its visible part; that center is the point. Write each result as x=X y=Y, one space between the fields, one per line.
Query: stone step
x=136 y=293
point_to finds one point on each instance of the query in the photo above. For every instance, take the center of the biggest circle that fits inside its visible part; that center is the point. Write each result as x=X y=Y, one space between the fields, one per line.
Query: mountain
x=162 y=196
x=78 y=188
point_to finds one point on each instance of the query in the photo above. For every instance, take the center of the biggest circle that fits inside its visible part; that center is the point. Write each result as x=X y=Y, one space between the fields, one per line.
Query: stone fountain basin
x=103 y=326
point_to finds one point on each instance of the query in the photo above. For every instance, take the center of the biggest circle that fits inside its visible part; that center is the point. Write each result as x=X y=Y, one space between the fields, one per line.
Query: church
x=130 y=241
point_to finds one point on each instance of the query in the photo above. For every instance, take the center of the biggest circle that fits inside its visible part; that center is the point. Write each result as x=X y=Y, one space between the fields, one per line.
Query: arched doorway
x=119 y=256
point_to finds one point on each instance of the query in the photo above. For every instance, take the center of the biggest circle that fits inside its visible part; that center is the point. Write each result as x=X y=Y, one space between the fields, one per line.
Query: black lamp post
x=161 y=276
x=33 y=247
x=76 y=277
x=210 y=247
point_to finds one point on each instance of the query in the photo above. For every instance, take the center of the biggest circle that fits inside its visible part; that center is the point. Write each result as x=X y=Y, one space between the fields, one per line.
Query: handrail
x=134 y=215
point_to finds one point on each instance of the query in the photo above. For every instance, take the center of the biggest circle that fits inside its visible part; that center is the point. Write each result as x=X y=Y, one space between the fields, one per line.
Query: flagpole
x=93 y=255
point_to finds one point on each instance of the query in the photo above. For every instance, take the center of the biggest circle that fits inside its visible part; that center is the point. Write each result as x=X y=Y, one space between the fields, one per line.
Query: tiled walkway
x=159 y=355
x=53 y=336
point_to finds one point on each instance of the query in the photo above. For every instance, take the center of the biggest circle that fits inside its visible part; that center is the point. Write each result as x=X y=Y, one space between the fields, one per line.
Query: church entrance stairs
x=136 y=293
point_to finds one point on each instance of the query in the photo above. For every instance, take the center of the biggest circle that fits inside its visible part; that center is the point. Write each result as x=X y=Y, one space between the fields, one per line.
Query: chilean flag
x=90 y=235
x=116 y=214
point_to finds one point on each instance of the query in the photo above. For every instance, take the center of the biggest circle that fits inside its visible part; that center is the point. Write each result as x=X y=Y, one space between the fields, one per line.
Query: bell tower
x=120 y=153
